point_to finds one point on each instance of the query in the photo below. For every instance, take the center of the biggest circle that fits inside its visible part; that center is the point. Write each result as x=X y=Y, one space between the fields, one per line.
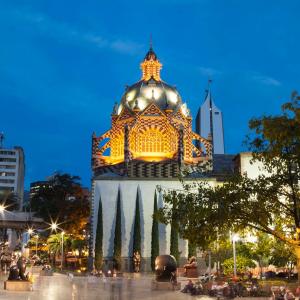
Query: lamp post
x=30 y=232
x=235 y=238
x=209 y=265
x=36 y=244
x=62 y=249
x=54 y=227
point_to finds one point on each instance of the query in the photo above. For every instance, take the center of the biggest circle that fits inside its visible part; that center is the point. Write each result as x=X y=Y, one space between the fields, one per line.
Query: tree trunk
x=297 y=253
x=261 y=270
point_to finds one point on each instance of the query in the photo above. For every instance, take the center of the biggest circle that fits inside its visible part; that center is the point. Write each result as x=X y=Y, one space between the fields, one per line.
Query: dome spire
x=151 y=66
x=151 y=41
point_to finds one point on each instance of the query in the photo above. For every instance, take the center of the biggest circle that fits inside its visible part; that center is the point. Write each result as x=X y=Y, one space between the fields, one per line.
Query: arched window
x=152 y=140
x=117 y=146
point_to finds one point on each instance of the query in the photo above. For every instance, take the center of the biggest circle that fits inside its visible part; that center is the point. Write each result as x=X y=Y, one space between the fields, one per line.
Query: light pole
x=62 y=249
x=36 y=244
x=54 y=227
x=209 y=265
x=30 y=232
x=235 y=238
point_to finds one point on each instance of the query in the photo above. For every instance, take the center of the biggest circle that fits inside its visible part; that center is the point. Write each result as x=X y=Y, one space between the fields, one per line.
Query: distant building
x=36 y=186
x=12 y=171
x=209 y=121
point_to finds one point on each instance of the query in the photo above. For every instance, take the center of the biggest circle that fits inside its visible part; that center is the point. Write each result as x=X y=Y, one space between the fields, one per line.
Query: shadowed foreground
x=60 y=287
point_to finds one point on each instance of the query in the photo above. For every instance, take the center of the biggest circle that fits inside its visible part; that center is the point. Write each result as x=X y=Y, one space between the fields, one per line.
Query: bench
x=17 y=285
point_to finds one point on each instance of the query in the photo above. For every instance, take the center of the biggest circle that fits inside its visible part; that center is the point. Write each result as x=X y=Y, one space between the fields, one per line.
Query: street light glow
x=30 y=231
x=54 y=226
x=235 y=237
x=2 y=208
x=252 y=239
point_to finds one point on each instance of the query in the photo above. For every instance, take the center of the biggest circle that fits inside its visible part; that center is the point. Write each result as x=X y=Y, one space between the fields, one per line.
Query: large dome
x=142 y=93
x=151 y=132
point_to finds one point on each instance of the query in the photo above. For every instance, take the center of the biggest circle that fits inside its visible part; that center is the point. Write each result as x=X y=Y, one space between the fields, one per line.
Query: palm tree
x=54 y=244
x=78 y=244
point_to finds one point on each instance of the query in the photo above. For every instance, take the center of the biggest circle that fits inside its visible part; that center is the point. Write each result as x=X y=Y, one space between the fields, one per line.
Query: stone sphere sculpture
x=165 y=267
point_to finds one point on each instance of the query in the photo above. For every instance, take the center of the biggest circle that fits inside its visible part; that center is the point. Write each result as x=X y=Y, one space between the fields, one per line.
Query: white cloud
x=266 y=80
x=126 y=46
x=63 y=31
x=208 y=72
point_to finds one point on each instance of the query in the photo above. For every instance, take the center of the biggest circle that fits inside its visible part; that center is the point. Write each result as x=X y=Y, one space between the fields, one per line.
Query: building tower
x=209 y=122
x=151 y=130
x=12 y=169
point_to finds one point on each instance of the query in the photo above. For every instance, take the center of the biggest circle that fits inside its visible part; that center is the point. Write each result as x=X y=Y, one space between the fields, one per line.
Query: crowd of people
x=222 y=289
x=283 y=293
x=231 y=289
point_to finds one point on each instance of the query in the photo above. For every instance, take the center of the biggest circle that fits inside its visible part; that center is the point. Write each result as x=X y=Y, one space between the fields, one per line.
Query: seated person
x=289 y=295
x=197 y=289
x=188 y=288
x=192 y=264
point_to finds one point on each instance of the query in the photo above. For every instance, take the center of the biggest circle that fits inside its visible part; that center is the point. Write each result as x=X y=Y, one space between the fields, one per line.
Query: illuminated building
x=150 y=125
x=148 y=145
x=209 y=122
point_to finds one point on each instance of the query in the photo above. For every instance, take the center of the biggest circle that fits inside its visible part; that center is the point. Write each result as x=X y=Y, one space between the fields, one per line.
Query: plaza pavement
x=61 y=287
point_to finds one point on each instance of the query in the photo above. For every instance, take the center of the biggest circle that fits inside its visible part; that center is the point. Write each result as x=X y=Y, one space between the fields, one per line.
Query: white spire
x=209 y=122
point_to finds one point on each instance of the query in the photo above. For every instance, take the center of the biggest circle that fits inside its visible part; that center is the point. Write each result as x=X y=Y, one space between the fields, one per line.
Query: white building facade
x=149 y=144
x=12 y=171
x=209 y=122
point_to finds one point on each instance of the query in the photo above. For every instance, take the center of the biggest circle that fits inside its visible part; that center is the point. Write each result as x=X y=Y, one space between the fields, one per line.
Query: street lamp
x=251 y=239
x=2 y=208
x=62 y=249
x=235 y=238
x=54 y=227
x=36 y=244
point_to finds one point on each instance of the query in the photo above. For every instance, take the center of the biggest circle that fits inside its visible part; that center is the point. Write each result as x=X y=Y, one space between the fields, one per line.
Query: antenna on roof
x=209 y=83
x=151 y=43
x=1 y=139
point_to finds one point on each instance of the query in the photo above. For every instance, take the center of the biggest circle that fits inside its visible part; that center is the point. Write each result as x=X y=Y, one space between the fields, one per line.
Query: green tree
x=118 y=234
x=63 y=200
x=174 y=243
x=137 y=226
x=269 y=203
x=154 y=234
x=78 y=244
x=261 y=250
x=192 y=249
x=99 y=238
x=220 y=249
x=174 y=250
x=242 y=264
x=282 y=256
x=54 y=242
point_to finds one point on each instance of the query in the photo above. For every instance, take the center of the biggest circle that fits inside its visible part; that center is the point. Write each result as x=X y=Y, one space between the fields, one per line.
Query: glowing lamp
x=235 y=237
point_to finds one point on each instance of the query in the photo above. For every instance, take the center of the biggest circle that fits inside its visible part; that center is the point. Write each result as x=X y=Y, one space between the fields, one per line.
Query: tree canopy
x=63 y=200
x=268 y=203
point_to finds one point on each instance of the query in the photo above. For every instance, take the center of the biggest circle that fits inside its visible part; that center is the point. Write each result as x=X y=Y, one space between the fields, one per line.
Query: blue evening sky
x=63 y=64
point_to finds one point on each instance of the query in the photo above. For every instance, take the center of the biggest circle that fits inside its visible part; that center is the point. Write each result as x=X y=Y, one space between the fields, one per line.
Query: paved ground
x=60 y=287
